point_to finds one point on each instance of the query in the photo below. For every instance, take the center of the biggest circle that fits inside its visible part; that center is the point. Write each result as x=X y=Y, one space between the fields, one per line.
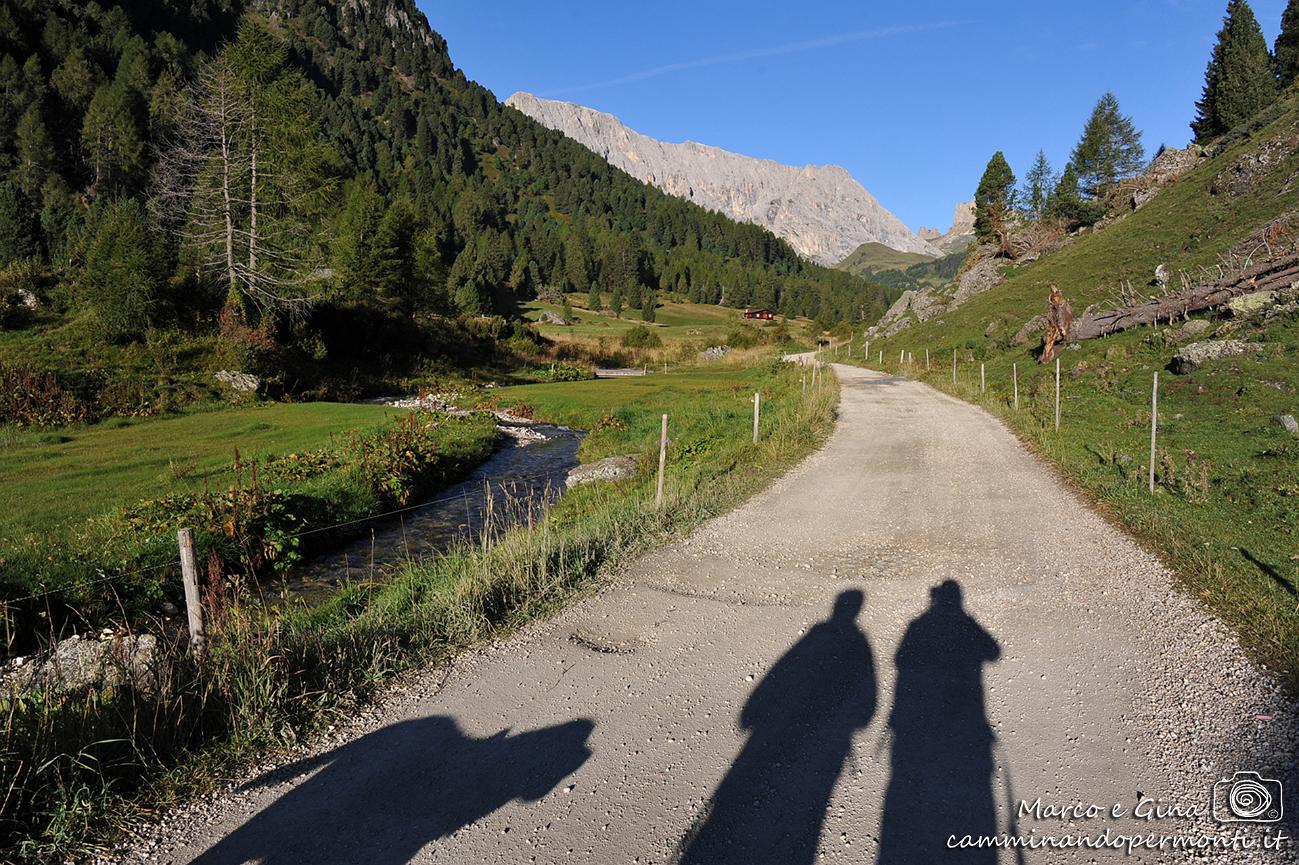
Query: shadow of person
x=380 y=798
x=802 y=717
x=941 y=781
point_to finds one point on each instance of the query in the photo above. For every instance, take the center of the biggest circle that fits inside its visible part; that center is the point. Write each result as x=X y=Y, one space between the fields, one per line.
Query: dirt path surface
x=912 y=631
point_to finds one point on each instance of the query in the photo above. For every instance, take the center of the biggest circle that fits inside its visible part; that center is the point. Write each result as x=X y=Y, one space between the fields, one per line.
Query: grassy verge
x=83 y=763
x=90 y=538
x=1225 y=510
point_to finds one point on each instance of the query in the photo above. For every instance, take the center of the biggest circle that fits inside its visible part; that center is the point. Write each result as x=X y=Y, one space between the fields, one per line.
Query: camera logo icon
x=1248 y=797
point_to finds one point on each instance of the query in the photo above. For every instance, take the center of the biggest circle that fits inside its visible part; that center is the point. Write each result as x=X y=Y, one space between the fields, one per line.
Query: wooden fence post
x=1154 y=423
x=804 y=379
x=881 y=358
x=1014 y=377
x=901 y=355
x=926 y=360
x=663 y=460
x=983 y=380
x=193 y=600
x=866 y=351
x=953 y=366
x=757 y=399
x=1057 y=394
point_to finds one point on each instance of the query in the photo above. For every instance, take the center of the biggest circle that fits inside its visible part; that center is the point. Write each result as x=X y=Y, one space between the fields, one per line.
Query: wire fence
x=173 y=563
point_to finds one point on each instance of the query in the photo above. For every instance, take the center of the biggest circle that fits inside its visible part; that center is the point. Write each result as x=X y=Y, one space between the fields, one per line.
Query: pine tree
x=993 y=199
x=1285 y=53
x=593 y=298
x=1109 y=150
x=648 y=301
x=615 y=301
x=1239 y=81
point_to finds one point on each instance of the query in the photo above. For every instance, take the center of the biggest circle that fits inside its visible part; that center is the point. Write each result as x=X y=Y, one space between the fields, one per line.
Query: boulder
x=978 y=279
x=240 y=382
x=548 y=317
x=1142 y=197
x=608 y=469
x=1031 y=328
x=1172 y=163
x=1192 y=329
x=1287 y=423
x=1250 y=304
x=716 y=352
x=1193 y=356
x=80 y=662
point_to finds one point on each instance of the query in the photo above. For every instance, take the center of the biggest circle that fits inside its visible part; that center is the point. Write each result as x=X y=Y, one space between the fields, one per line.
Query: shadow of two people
x=802 y=719
x=383 y=797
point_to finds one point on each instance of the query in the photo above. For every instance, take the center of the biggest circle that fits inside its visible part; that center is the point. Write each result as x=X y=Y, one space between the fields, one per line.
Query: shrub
x=641 y=336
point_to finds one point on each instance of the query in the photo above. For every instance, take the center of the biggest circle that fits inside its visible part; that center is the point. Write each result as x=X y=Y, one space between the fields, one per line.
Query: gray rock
x=1250 y=304
x=716 y=352
x=1142 y=197
x=608 y=469
x=1196 y=327
x=241 y=382
x=978 y=279
x=1161 y=276
x=819 y=209
x=28 y=299
x=1287 y=423
x=548 y=317
x=1031 y=328
x=1172 y=163
x=79 y=662
x=1193 y=356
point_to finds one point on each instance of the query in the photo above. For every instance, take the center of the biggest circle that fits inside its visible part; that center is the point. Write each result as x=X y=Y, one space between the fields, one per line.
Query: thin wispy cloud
x=754 y=54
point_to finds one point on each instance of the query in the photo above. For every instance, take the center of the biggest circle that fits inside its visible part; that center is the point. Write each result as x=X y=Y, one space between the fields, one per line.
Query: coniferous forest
x=312 y=192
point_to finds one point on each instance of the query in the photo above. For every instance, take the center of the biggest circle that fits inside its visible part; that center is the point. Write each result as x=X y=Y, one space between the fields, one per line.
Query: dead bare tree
x=231 y=208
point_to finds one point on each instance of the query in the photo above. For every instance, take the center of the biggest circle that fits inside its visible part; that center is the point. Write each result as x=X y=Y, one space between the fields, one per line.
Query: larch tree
x=1239 y=81
x=1110 y=148
x=245 y=179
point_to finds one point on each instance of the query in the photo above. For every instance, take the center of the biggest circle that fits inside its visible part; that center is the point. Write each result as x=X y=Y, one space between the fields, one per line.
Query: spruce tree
x=993 y=199
x=1239 y=81
x=1038 y=184
x=1109 y=150
x=593 y=298
x=17 y=231
x=647 y=304
x=1285 y=53
x=615 y=301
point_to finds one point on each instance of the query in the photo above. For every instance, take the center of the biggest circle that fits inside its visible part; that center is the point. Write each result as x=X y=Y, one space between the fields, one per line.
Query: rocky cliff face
x=820 y=210
x=956 y=238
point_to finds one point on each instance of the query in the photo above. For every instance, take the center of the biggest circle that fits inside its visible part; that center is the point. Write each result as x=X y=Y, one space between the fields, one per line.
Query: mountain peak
x=820 y=210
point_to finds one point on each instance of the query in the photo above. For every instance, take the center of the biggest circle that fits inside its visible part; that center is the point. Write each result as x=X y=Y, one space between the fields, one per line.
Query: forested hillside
x=304 y=190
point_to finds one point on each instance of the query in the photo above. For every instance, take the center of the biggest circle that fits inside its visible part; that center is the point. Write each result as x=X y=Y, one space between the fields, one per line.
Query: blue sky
x=912 y=98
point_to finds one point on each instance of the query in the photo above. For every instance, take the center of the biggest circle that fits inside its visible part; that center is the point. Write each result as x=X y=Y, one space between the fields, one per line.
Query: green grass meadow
x=66 y=476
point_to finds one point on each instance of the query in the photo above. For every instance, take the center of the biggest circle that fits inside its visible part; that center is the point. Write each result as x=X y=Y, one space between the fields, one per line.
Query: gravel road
x=913 y=631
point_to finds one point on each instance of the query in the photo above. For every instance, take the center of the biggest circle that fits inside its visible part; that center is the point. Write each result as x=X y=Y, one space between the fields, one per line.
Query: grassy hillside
x=1226 y=507
x=677 y=324
x=870 y=257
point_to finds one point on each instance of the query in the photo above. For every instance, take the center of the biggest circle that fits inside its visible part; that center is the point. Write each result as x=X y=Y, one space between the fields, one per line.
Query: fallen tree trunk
x=1271 y=276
